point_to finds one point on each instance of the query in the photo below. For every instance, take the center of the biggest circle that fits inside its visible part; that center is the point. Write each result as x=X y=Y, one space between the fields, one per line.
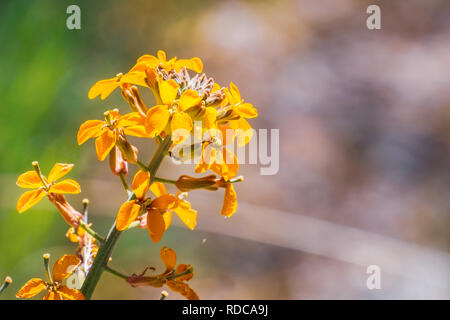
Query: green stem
x=106 y=249
x=115 y=272
x=124 y=182
x=5 y=284
x=158 y=179
x=91 y=232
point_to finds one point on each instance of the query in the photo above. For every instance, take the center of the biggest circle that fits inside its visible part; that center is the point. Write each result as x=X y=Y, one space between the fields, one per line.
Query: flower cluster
x=186 y=107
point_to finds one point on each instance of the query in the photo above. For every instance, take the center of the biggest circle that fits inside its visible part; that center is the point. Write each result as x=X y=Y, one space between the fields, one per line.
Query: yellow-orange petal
x=65 y=266
x=168 y=257
x=228 y=164
x=229 y=201
x=29 y=199
x=134 y=77
x=186 y=214
x=194 y=64
x=149 y=60
x=31 y=288
x=136 y=131
x=235 y=92
x=182 y=268
x=210 y=120
x=104 y=144
x=247 y=110
x=52 y=295
x=71 y=235
x=128 y=212
x=189 y=99
x=66 y=186
x=167 y=216
x=183 y=289
x=59 y=170
x=103 y=88
x=131 y=119
x=89 y=129
x=181 y=126
x=155 y=224
x=161 y=55
x=29 y=179
x=164 y=202
x=158 y=189
x=70 y=294
x=168 y=91
x=141 y=182
x=156 y=120
x=243 y=131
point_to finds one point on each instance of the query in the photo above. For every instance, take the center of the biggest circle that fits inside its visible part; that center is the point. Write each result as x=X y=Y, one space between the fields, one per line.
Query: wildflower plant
x=185 y=107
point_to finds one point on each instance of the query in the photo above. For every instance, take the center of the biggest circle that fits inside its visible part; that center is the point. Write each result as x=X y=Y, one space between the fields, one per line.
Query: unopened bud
x=151 y=77
x=69 y=214
x=129 y=152
x=117 y=163
x=186 y=183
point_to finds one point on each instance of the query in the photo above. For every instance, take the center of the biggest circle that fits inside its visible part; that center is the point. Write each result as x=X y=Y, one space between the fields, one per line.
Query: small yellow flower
x=112 y=132
x=173 y=277
x=235 y=111
x=63 y=268
x=172 y=111
x=44 y=186
x=158 y=211
x=219 y=159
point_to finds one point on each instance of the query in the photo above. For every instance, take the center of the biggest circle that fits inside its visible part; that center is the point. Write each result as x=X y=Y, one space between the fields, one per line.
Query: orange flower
x=159 y=210
x=35 y=180
x=177 y=204
x=112 y=132
x=217 y=158
x=63 y=268
x=172 y=111
x=173 y=277
x=235 y=111
x=150 y=61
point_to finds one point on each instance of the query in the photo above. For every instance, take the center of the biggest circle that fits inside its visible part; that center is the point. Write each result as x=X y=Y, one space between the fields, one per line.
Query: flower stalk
x=106 y=249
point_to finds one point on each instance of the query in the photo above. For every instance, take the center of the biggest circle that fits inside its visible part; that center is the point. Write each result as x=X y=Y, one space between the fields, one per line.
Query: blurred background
x=364 y=120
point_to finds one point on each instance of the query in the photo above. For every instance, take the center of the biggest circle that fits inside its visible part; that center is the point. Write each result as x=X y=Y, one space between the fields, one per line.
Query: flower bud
x=69 y=214
x=129 y=152
x=132 y=96
x=186 y=183
x=151 y=77
x=117 y=163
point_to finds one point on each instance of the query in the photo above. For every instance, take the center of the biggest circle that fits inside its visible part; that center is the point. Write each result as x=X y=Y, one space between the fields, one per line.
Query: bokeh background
x=364 y=120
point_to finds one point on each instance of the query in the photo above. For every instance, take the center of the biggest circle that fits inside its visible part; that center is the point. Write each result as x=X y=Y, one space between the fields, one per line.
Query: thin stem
x=106 y=249
x=91 y=232
x=142 y=166
x=48 y=274
x=124 y=182
x=115 y=272
x=39 y=173
x=159 y=156
x=5 y=284
x=158 y=179
x=134 y=224
x=174 y=276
